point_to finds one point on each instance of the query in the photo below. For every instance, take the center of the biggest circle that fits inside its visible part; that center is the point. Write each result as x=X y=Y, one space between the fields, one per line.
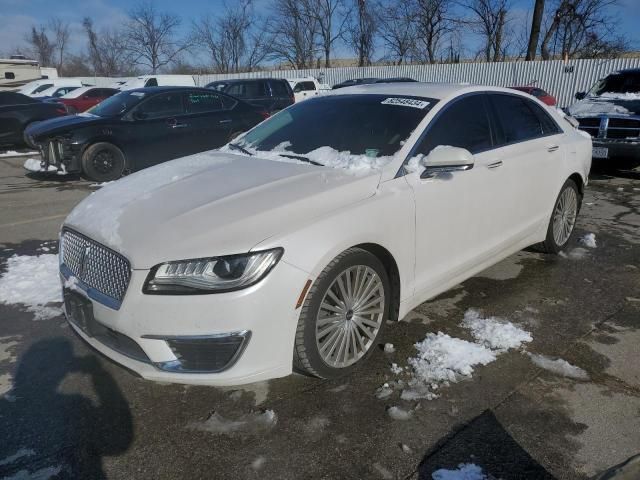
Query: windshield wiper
x=235 y=146
x=300 y=157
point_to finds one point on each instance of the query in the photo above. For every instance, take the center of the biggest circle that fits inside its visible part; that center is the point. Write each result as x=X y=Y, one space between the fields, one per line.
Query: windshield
x=373 y=126
x=617 y=83
x=117 y=104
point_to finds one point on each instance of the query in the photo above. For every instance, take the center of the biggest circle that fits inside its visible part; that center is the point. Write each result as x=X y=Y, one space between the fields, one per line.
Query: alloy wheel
x=350 y=315
x=564 y=216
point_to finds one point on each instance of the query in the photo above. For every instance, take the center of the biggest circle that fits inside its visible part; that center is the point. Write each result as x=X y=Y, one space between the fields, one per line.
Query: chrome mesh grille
x=95 y=265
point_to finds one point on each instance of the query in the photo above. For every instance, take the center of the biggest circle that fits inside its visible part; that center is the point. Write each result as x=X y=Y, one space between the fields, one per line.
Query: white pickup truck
x=306 y=87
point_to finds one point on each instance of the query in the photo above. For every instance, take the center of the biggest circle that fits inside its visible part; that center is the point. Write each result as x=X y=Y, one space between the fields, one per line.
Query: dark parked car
x=17 y=111
x=272 y=94
x=610 y=113
x=366 y=81
x=142 y=127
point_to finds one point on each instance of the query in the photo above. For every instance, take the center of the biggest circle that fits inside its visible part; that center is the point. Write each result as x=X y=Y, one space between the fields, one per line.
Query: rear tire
x=563 y=218
x=103 y=162
x=343 y=316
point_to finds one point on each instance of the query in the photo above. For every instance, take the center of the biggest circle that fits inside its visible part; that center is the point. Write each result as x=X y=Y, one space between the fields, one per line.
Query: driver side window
x=463 y=124
x=163 y=105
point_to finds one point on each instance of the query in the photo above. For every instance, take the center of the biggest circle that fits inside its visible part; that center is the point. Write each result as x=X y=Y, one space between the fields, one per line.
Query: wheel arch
x=579 y=181
x=393 y=272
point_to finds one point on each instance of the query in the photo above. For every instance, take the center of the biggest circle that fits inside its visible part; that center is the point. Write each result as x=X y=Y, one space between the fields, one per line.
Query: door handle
x=495 y=164
x=552 y=148
x=226 y=120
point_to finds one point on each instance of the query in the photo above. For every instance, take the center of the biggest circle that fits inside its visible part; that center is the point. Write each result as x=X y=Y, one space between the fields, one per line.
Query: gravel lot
x=67 y=412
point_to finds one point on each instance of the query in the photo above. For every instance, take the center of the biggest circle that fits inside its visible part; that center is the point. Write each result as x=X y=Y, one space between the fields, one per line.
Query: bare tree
x=234 y=41
x=534 y=35
x=60 y=31
x=433 y=23
x=579 y=28
x=106 y=50
x=489 y=18
x=398 y=29
x=331 y=19
x=292 y=33
x=39 y=45
x=151 y=37
x=361 y=27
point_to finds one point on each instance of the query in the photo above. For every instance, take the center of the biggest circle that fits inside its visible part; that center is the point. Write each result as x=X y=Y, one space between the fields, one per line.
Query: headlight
x=211 y=275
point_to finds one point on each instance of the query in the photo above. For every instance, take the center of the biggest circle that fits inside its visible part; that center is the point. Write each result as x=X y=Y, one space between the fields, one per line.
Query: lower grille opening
x=211 y=355
x=121 y=343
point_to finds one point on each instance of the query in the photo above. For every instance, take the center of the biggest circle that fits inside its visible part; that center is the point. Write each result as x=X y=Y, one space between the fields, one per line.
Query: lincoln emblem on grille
x=83 y=261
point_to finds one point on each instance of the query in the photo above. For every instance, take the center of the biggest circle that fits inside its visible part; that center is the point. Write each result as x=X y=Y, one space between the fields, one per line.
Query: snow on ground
x=398 y=413
x=250 y=423
x=389 y=348
x=326 y=156
x=34 y=282
x=559 y=367
x=589 y=240
x=465 y=471
x=13 y=153
x=100 y=185
x=495 y=333
x=35 y=165
x=258 y=463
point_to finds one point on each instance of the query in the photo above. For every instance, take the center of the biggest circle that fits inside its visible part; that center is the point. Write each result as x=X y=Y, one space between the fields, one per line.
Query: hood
x=623 y=104
x=212 y=204
x=58 y=125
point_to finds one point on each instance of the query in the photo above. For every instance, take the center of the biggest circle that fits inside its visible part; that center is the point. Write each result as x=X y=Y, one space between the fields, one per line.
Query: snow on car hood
x=619 y=104
x=211 y=204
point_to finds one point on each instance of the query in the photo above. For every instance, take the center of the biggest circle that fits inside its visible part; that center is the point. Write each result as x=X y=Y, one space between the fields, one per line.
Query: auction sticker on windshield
x=406 y=102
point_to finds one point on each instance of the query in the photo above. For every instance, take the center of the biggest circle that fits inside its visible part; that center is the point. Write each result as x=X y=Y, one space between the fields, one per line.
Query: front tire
x=343 y=316
x=103 y=162
x=563 y=218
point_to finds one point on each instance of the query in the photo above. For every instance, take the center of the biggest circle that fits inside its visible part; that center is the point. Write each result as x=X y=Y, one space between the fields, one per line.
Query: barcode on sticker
x=406 y=102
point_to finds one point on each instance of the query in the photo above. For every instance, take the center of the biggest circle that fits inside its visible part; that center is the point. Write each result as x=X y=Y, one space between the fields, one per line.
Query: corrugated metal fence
x=561 y=79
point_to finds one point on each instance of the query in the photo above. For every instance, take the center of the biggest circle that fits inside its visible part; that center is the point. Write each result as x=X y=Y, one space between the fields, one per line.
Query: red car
x=540 y=94
x=84 y=98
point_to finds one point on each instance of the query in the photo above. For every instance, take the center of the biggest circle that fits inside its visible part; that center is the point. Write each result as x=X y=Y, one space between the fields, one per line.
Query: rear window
x=247 y=89
x=372 y=125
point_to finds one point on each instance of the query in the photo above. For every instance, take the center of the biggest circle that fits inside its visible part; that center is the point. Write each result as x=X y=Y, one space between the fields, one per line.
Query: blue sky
x=19 y=15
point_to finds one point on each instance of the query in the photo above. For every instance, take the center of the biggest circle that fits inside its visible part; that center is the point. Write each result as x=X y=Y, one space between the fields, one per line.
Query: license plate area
x=79 y=311
x=600 y=152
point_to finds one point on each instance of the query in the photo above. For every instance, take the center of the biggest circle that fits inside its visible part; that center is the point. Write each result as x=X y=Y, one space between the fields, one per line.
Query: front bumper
x=61 y=153
x=257 y=325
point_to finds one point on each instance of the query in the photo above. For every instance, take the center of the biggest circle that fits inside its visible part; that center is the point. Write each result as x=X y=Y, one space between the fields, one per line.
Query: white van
x=158 y=81
x=37 y=86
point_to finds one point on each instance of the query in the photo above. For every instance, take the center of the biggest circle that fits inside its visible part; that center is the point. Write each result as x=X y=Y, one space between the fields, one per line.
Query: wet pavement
x=67 y=412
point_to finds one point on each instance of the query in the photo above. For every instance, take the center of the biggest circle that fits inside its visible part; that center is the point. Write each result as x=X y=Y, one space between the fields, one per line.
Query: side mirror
x=139 y=115
x=580 y=95
x=446 y=159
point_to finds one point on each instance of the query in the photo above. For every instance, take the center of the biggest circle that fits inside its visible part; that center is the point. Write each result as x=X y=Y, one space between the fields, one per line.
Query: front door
x=457 y=226
x=158 y=130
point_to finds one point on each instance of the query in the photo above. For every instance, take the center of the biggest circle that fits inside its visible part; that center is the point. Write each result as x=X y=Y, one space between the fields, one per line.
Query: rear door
x=531 y=148
x=158 y=130
x=210 y=119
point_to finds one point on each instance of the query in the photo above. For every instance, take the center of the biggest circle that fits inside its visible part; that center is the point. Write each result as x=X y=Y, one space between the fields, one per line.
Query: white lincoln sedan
x=293 y=244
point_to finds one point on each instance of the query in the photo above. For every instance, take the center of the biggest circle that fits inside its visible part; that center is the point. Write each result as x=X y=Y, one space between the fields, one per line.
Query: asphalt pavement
x=68 y=412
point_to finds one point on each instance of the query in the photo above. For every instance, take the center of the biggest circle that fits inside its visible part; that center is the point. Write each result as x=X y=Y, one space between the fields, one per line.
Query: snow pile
x=250 y=423
x=35 y=165
x=258 y=463
x=326 y=156
x=389 y=348
x=621 y=96
x=398 y=413
x=594 y=106
x=419 y=161
x=465 y=471
x=443 y=359
x=495 y=333
x=13 y=153
x=559 y=367
x=589 y=240
x=100 y=185
x=32 y=281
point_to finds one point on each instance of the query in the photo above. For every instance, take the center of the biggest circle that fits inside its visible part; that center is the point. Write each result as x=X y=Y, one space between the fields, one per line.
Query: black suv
x=610 y=113
x=272 y=94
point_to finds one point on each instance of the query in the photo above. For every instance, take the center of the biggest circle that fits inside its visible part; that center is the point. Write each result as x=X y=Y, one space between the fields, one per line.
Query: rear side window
x=198 y=102
x=463 y=124
x=549 y=125
x=279 y=89
x=248 y=89
x=163 y=105
x=517 y=119
x=152 y=82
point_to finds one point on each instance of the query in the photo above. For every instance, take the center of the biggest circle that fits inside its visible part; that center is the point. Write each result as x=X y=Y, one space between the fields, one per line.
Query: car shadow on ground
x=485 y=443
x=51 y=432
